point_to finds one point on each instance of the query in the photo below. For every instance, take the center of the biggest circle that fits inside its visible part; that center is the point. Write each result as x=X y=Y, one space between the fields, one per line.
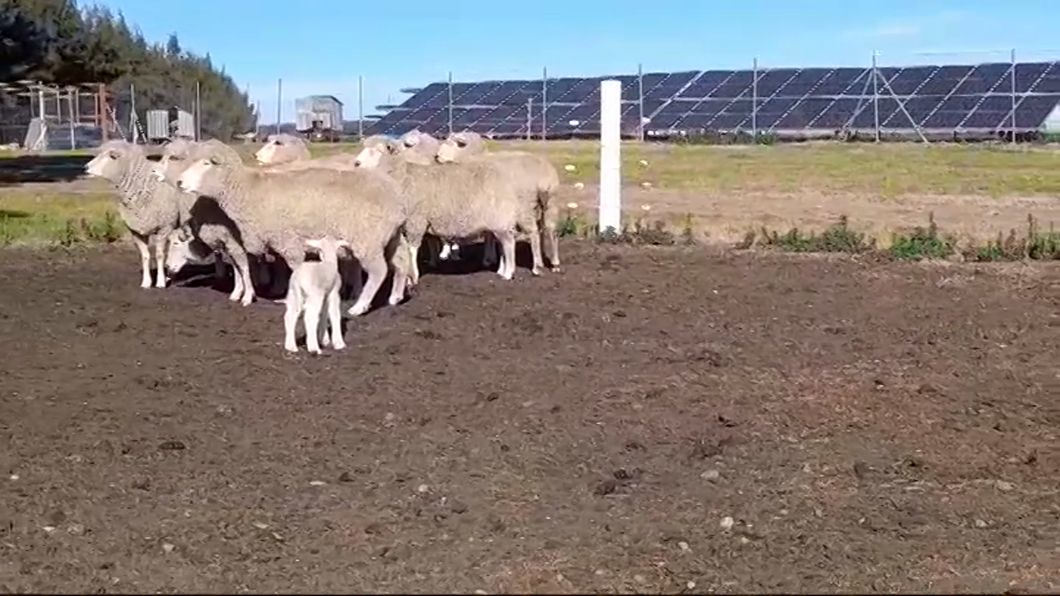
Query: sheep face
x=281 y=149
x=457 y=144
x=184 y=250
x=411 y=139
x=370 y=157
x=110 y=163
x=200 y=175
x=327 y=246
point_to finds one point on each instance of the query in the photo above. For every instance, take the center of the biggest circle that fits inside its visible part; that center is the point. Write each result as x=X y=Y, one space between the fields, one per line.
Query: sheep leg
x=353 y=275
x=241 y=265
x=376 y=267
x=506 y=239
x=290 y=319
x=335 y=320
x=489 y=252
x=145 y=260
x=219 y=268
x=535 y=250
x=399 y=283
x=161 y=244
x=314 y=305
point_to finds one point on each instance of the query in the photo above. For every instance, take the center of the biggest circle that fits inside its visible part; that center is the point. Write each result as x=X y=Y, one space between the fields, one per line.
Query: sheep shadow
x=469 y=260
x=27 y=169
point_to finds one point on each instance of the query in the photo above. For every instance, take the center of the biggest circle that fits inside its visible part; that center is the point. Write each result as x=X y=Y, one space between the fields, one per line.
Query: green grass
x=35 y=218
x=889 y=170
x=886 y=170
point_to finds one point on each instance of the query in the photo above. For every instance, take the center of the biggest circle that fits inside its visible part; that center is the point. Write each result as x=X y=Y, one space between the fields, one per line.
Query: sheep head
x=282 y=148
x=459 y=144
x=112 y=160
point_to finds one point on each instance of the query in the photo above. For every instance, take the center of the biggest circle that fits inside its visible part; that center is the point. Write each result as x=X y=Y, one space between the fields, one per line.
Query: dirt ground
x=669 y=420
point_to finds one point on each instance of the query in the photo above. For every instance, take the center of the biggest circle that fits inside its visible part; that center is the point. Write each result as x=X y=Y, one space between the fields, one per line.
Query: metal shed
x=319 y=115
x=170 y=124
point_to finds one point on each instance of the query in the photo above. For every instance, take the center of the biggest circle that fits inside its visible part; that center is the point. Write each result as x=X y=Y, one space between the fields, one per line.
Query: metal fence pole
x=754 y=100
x=529 y=117
x=875 y=98
x=1014 y=91
x=360 y=107
x=132 y=112
x=640 y=102
x=450 y=102
x=70 y=109
x=279 y=103
x=544 y=103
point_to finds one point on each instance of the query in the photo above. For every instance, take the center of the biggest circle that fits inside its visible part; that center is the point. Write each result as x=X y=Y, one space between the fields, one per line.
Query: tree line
x=58 y=42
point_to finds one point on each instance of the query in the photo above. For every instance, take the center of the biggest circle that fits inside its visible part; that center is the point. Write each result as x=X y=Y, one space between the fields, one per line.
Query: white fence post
x=610 y=156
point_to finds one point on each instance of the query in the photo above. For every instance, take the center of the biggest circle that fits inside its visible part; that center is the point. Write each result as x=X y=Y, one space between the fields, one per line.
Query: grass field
x=975 y=191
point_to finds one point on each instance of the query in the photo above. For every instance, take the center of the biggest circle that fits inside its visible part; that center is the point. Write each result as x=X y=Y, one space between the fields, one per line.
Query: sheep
x=185 y=249
x=207 y=220
x=527 y=168
x=314 y=287
x=460 y=200
x=420 y=142
x=150 y=209
x=277 y=210
x=280 y=148
x=422 y=150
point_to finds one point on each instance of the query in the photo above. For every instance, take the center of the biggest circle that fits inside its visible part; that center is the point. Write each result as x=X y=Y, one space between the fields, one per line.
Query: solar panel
x=933 y=97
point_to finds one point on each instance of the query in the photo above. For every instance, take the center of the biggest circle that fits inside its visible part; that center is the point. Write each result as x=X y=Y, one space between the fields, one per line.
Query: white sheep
x=208 y=220
x=460 y=200
x=421 y=148
x=279 y=210
x=185 y=249
x=529 y=171
x=281 y=148
x=150 y=209
x=313 y=293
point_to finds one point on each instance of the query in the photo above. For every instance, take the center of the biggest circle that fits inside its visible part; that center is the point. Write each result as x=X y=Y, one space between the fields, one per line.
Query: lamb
x=314 y=287
x=526 y=168
x=282 y=148
x=278 y=210
x=460 y=200
x=150 y=209
x=207 y=220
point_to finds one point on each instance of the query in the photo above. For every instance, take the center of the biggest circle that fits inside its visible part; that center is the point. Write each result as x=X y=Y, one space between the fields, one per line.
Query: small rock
x=172 y=446
x=480 y=591
x=458 y=507
x=710 y=475
x=640 y=579
x=277 y=537
x=980 y=523
x=317 y=483
x=14 y=476
x=167 y=547
x=600 y=572
x=1004 y=486
x=691 y=585
x=345 y=477
x=422 y=488
x=261 y=526
x=76 y=529
x=48 y=529
x=683 y=545
x=744 y=540
x=727 y=523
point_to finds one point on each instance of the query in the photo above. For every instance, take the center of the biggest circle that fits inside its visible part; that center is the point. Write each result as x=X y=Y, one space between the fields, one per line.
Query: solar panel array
x=935 y=98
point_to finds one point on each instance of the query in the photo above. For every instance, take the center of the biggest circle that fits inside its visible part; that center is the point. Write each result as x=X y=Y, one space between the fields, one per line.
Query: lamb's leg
x=506 y=238
x=145 y=260
x=314 y=305
x=376 y=267
x=161 y=244
x=290 y=320
x=335 y=321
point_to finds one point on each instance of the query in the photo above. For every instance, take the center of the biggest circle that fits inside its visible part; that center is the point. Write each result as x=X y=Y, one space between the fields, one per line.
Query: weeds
x=32 y=229
x=923 y=243
x=839 y=237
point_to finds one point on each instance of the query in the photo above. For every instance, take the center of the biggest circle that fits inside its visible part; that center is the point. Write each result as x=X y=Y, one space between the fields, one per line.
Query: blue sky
x=323 y=46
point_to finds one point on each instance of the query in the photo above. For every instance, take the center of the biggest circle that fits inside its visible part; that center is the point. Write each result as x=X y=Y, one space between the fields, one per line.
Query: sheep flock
x=364 y=216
